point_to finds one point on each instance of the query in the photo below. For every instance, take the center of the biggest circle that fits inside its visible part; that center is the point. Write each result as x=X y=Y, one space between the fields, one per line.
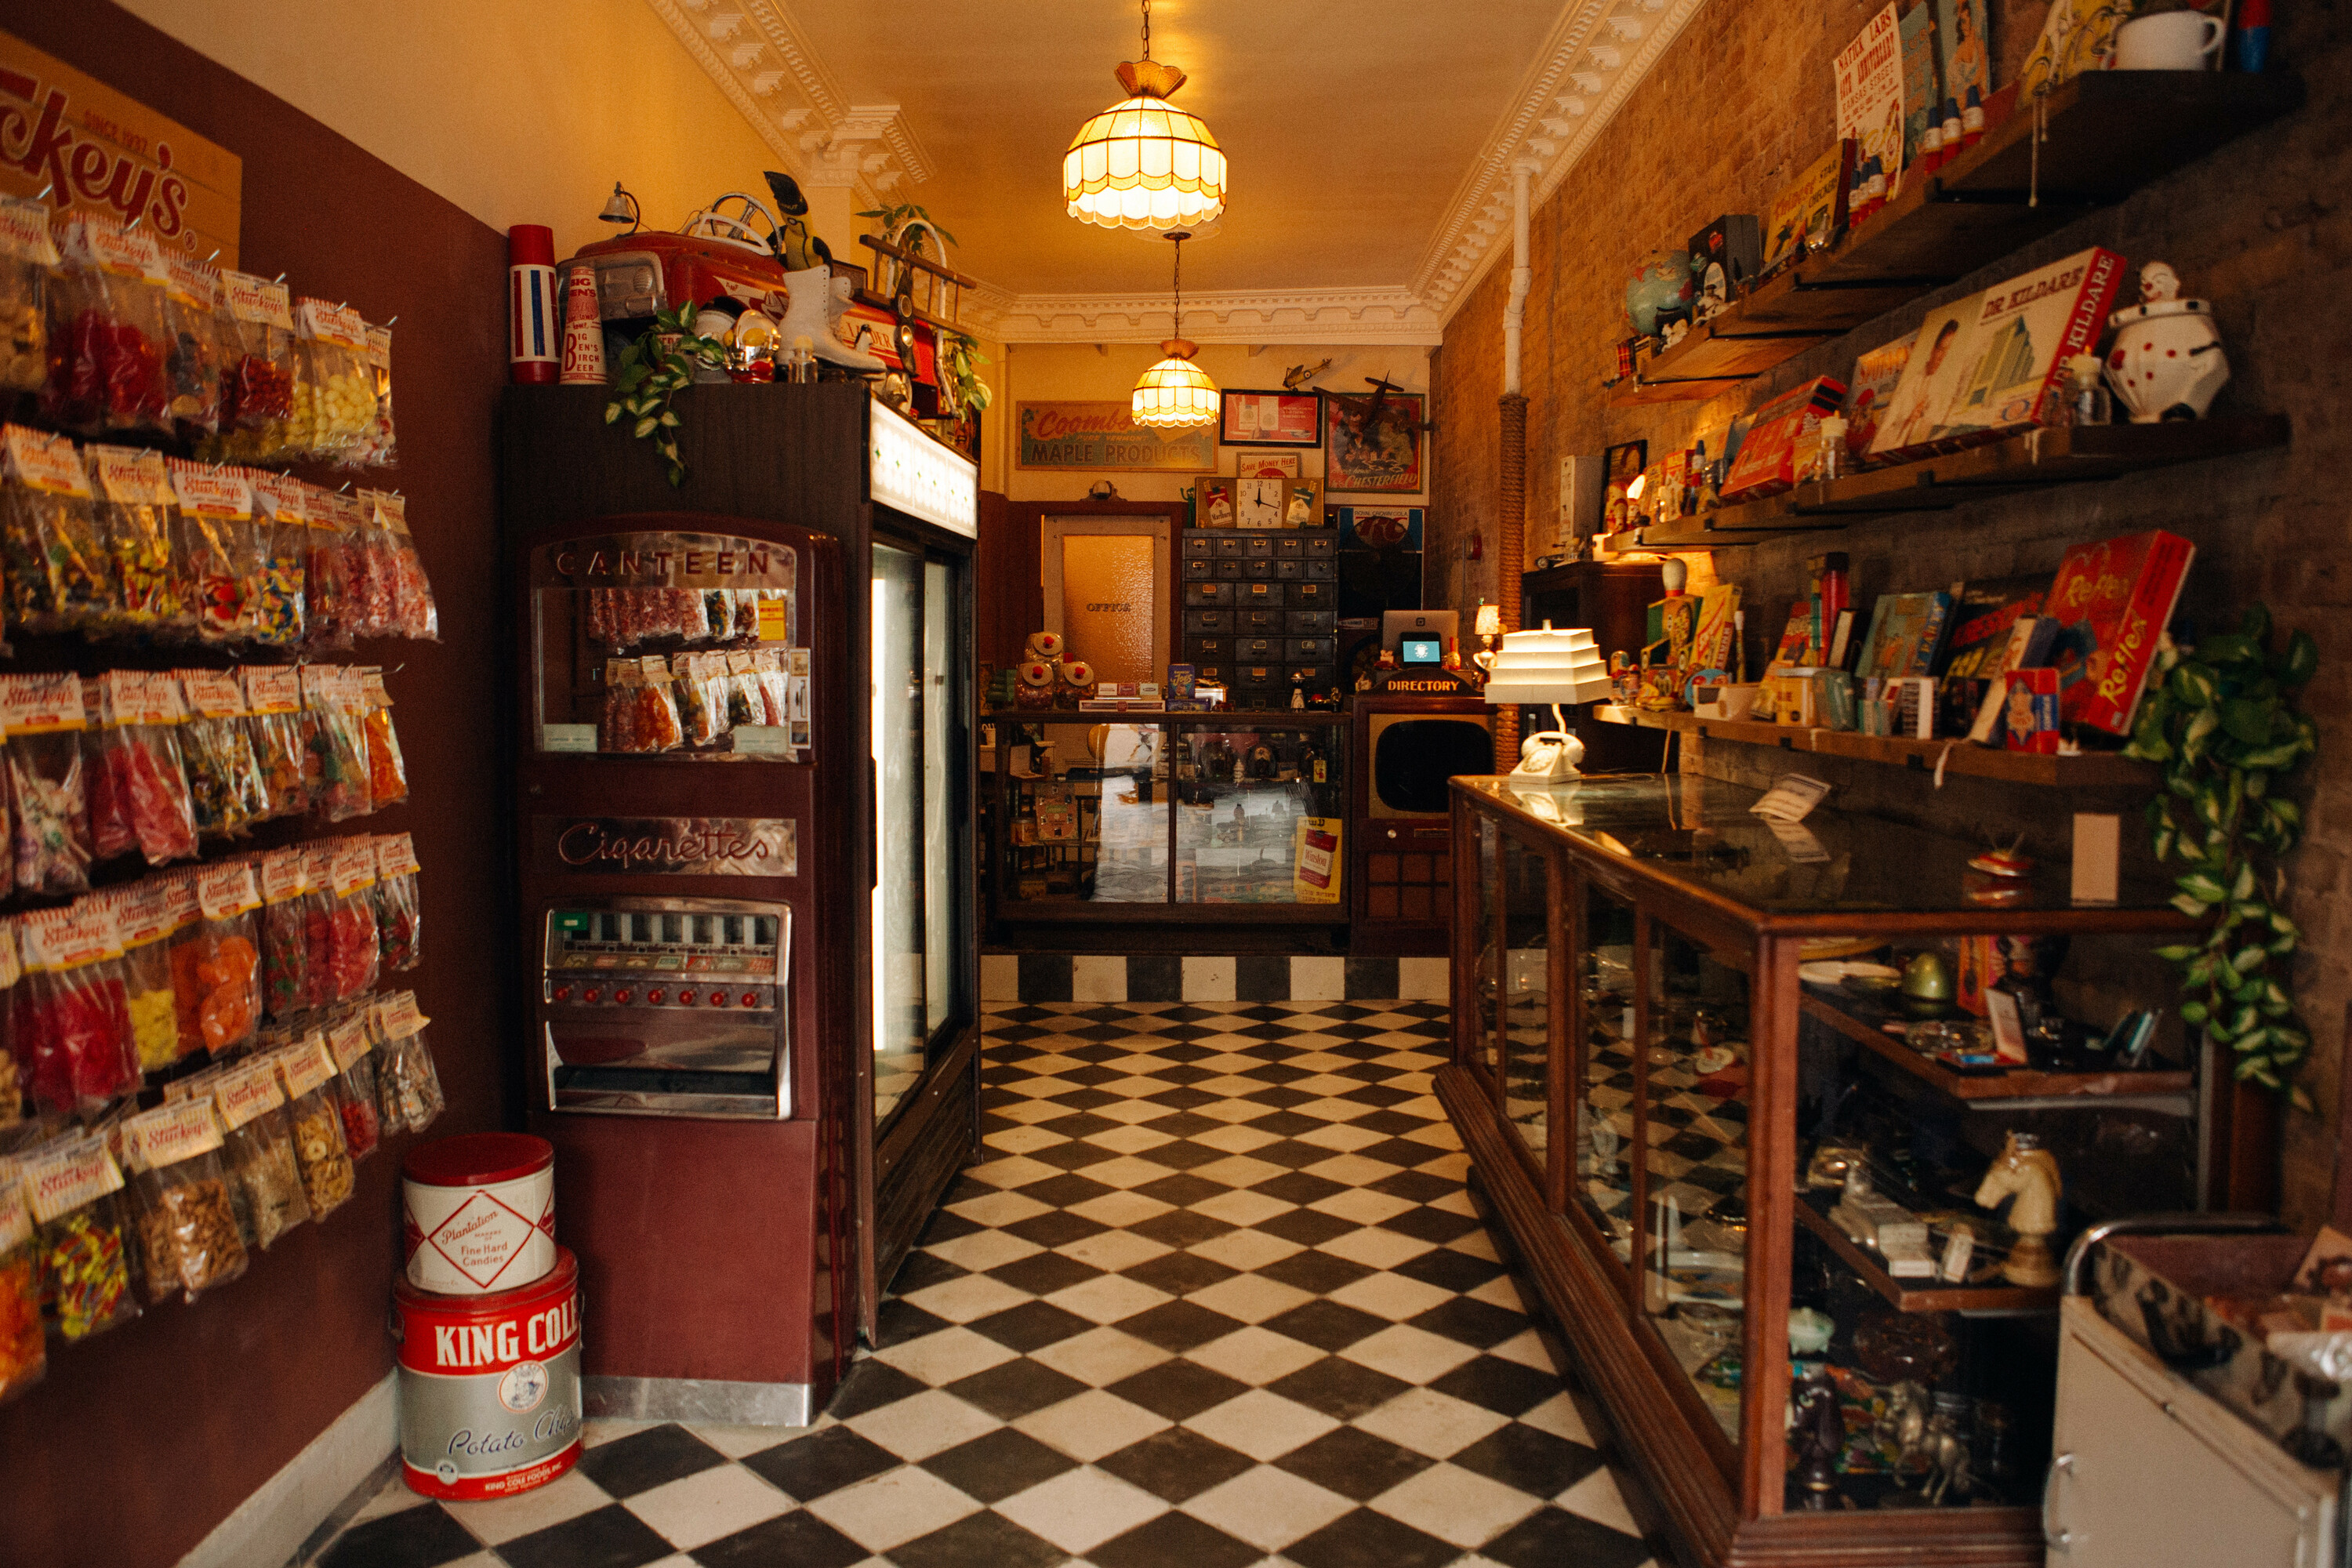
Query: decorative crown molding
x=1597 y=53
x=1294 y=315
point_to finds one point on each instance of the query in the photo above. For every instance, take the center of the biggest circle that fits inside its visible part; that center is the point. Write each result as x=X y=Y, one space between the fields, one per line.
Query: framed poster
x=1283 y=465
x=1092 y=437
x=1270 y=418
x=1375 y=443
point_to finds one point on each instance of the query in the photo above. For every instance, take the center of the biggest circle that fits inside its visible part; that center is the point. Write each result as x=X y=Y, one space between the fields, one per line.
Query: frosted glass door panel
x=943 y=876
x=901 y=972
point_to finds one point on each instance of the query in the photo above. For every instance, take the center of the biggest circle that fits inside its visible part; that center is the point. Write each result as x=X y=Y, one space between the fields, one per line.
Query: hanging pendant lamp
x=1175 y=393
x=1144 y=163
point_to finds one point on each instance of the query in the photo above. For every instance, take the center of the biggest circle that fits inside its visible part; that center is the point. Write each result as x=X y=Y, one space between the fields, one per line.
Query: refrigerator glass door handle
x=872 y=826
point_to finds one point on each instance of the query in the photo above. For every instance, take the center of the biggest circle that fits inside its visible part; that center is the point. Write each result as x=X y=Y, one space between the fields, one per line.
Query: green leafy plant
x=653 y=370
x=2220 y=717
x=961 y=356
x=898 y=215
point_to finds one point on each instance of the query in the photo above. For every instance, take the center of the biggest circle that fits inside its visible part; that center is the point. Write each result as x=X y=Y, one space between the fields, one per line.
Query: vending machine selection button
x=563 y=994
x=686 y=998
x=750 y=998
x=719 y=998
x=656 y=996
x=624 y=996
x=593 y=993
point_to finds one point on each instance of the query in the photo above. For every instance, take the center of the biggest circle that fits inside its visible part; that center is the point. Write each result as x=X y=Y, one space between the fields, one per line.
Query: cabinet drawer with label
x=1231 y=571
x=1322 y=547
x=1210 y=650
x=1258 y=650
x=1310 y=623
x=1323 y=571
x=1197 y=546
x=1309 y=650
x=1207 y=620
x=1257 y=548
x=1209 y=593
x=1314 y=597
x=1198 y=569
x=1264 y=623
x=1261 y=570
x=1259 y=595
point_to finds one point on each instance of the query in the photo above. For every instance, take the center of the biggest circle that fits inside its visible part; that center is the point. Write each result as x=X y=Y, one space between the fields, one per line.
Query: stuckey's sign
x=93 y=148
x=670 y=846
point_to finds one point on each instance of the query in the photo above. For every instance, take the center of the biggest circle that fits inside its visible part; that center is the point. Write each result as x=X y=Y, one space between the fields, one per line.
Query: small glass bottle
x=1828 y=463
x=2087 y=399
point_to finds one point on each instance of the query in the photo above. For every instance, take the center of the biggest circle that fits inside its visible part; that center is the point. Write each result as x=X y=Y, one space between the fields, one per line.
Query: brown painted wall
x=1741 y=100
x=140 y=1441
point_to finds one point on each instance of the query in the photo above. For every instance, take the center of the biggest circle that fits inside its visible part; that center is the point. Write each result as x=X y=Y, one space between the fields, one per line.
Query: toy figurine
x=2167 y=362
x=2028 y=1173
x=1950 y=1474
x=1819 y=1439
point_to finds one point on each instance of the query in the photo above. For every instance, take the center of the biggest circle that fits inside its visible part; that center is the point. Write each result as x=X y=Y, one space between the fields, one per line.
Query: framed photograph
x=1375 y=442
x=1620 y=466
x=1259 y=418
x=1283 y=465
x=2008 y=1026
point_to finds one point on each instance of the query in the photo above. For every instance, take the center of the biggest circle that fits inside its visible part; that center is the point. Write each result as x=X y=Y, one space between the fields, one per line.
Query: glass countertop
x=1834 y=871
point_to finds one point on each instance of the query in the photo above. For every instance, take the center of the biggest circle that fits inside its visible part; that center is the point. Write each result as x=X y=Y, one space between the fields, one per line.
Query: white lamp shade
x=1490 y=621
x=1174 y=394
x=1549 y=665
x=1143 y=163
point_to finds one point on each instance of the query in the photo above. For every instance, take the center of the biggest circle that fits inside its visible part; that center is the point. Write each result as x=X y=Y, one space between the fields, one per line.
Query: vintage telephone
x=1550 y=755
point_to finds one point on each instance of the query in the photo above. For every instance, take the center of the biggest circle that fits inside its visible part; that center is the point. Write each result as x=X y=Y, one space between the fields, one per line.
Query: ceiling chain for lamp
x=1175 y=393
x=1143 y=163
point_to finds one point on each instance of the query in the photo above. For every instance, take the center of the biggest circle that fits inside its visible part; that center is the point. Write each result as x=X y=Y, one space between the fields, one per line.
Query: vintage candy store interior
x=1150 y=785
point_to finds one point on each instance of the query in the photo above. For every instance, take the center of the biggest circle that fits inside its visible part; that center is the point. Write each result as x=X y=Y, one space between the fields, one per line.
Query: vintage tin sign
x=668 y=846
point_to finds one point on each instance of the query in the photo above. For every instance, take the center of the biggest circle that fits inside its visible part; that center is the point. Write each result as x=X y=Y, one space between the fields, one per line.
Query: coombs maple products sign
x=1102 y=435
x=93 y=148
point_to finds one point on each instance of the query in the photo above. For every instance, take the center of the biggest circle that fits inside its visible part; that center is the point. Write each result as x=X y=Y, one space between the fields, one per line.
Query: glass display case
x=1789 y=1122
x=1231 y=815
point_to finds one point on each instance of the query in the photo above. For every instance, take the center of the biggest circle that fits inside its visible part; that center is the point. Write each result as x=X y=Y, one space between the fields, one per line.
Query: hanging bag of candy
x=334 y=391
x=23 y=1348
x=334 y=710
x=144 y=922
x=192 y=351
x=414 y=614
x=256 y=334
x=355 y=949
x=257 y=1146
x=335 y=520
x=186 y=948
x=376 y=448
x=139 y=774
x=285 y=986
x=180 y=1212
x=388 y=770
x=315 y=1110
x=351 y=1045
x=273 y=708
x=72 y=1015
x=138 y=522
x=13 y=1072
x=109 y=817
x=319 y=921
x=44 y=716
x=72 y=1187
x=400 y=925
x=228 y=976
x=281 y=535
x=28 y=260
x=225 y=783
x=216 y=527
x=107 y=330
x=60 y=576
x=375 y=570
x=406 y=1065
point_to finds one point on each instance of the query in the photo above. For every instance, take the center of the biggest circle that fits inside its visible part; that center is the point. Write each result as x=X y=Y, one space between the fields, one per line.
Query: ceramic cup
x=2170 y=41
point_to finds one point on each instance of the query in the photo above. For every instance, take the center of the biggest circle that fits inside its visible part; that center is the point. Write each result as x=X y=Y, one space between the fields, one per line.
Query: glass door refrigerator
x=743 y=786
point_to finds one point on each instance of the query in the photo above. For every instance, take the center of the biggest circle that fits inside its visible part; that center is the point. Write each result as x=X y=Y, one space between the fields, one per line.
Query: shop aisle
x=1217 y=1297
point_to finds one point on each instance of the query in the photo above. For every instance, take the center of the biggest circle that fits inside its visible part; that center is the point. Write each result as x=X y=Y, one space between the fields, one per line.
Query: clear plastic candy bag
x=28 y=260
x=181 y=1215
x=285 y=982
x=106 y=331
x=23 y=1348
x=257 y=351
x=334 y=390
x=145 y=919
x=227 y=969
x=48 y=804
x=225 y=783
x=355 y=952
x=217 y=541
x=139 y=797
x=351 y=1043
x=399 y=915
x=273 y=706
x=412 y=1082
x=387 y=770
x=275 y=606
x=258 y=1148
x=334 y=715
x=60 y=576
x=192 y=347
x=73 y=1189
x=315 y=1113
x=138 y=518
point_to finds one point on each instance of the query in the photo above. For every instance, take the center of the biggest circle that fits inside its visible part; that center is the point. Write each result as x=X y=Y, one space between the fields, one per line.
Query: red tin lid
x=478 y=1159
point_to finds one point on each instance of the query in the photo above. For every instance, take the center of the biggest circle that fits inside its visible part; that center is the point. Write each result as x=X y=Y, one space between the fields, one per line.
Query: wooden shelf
x=2090 y=770
x=1921 y=1296
x=2104 y=134
x=2018 y=1083
x=2035 y=459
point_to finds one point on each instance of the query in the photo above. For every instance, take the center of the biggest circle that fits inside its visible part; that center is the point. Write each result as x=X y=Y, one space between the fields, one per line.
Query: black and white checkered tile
x=1215 y=1297
x=1186 y=977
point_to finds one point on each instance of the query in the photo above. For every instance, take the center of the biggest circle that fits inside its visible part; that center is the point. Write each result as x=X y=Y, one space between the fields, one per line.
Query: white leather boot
x=816 y=300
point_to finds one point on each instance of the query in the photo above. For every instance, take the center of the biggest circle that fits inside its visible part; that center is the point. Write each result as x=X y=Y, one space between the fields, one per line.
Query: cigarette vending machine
x=745 y=877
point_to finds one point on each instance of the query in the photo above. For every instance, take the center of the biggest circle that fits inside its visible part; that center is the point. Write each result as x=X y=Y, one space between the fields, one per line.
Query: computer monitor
x=1438 y=626
x=1414 y=648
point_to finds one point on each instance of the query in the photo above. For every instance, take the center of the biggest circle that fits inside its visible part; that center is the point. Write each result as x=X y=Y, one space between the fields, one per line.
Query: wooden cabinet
x=1612 y=599
x=1662 y=1104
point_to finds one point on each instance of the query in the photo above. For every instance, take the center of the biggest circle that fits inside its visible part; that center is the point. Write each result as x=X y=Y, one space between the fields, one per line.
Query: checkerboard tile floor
x=1214 y=1296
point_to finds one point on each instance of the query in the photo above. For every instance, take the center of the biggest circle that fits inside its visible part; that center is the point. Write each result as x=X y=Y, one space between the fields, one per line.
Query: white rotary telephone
x=1549 y=756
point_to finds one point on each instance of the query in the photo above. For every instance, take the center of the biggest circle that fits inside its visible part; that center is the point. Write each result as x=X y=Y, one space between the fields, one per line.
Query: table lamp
x=1550 y=667
x=1488 y=626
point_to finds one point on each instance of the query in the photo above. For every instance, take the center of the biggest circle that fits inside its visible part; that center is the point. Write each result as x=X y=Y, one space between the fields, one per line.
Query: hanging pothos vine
x=2220 y=719
x=653 y=370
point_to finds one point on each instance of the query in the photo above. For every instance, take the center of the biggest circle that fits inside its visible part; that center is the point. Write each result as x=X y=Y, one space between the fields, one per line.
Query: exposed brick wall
x=1742 y=99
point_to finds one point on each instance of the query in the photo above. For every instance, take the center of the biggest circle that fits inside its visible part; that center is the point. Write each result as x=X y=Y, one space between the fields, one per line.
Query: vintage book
x=1711 y=645
x=2112 y=601
x=1982 y=619
x=1939 y=353
x=1916 y=27
x=1766 y=463
x=1963 y=50
x=1877 y=374
x=1810 y=209
x=1825 y=586
x=2076 y=36
x=1869 y=73
x=1905 y=631
x=2024 y=333
x=1842 y=640
x=1796 y=637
